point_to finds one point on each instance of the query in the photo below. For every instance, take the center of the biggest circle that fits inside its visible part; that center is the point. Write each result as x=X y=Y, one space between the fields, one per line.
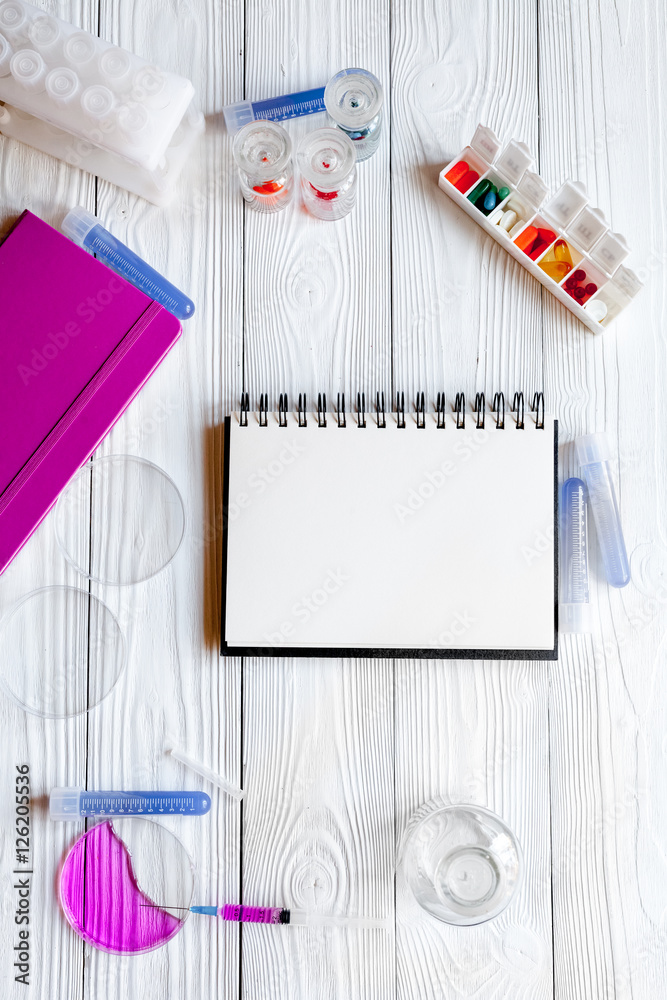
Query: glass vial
x=328 y=168
x=263 y=156
x=353 y=99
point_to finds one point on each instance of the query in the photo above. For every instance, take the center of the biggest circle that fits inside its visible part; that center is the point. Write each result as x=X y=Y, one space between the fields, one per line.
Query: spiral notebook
x=423 y=534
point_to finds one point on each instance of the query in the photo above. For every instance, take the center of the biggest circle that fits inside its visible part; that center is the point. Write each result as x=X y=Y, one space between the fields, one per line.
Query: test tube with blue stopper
x=85 y=229
x=275 y=109
x=594 y=457
x=575 y=606
x=78 y=803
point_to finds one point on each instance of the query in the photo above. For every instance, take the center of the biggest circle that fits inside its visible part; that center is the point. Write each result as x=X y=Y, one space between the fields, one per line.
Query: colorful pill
x=526 y=239
x=579 y=274
x=508 y=221
x=458 y=171
x=562 y=251
x=490 y=201
x=591 y=288
x=503 y=193
x=546 y=235
x=271 y=187
x=579 y=293
x=481 y=189
x=556 y=269
x=467 y=181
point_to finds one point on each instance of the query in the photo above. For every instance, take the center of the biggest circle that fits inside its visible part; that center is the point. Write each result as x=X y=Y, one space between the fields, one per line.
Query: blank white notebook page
x=367 y=538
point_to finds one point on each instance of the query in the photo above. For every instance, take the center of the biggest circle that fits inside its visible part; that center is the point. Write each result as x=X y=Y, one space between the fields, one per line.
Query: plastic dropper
x=88 y=232
x=236 y=913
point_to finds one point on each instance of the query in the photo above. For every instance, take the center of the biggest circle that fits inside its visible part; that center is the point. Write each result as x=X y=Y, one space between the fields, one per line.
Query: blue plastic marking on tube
x=306 y=102
x=77 y=803
x=275 y=109
x=574 y=543
x=86 y=230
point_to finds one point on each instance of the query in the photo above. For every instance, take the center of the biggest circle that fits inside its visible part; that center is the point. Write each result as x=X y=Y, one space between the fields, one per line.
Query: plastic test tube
x=86 y=230
x=574 y=598
x=77 y=803
x=276 y=109
x=594 y=455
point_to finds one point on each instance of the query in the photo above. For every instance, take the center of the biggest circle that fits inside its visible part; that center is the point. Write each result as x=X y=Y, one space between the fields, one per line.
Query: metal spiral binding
x=379 y=409
x=361 y=409
x=440 y=410
x=537 y=407
x=499 y=409
x=245 y=407
x=321 y=409
x=460 y=410
x=421 y=412
x=480 y=409
x=400 y=410
x=263 y=410
x=282 y=410
x=340 y=411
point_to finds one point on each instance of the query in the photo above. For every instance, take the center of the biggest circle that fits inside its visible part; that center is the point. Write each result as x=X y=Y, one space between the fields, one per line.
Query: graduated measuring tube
x=275 y=109
x=574 y=604
x=85 y=229
x=594 y=457
x=77 y=803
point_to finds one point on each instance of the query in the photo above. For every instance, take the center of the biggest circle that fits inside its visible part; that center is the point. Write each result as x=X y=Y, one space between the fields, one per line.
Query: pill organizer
x=93 y=104
x=564 y=242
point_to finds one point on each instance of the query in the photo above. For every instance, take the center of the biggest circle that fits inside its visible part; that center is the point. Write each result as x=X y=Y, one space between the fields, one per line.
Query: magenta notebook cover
x=77 y=342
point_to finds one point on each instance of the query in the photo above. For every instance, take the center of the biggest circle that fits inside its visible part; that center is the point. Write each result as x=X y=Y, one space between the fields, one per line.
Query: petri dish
x=125 y=885
x=69 y=652
x=120 y=520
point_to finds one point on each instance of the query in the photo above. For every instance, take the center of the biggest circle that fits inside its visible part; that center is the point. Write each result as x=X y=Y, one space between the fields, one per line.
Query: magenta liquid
x=102 y=900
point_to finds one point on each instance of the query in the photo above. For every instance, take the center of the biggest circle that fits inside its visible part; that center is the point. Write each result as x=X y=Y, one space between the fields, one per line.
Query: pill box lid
x=485 y=143
x=514 y=160
x=567 y=202
x=533 y=188
x=609 y=251
x=587 y=227
x=627 y=281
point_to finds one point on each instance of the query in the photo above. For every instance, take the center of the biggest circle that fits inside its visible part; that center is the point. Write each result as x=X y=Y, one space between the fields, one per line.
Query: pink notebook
x=77 y=342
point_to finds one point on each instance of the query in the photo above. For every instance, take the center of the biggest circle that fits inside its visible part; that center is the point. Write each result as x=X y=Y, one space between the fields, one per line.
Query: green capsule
x=479 y=191
x=503 y=193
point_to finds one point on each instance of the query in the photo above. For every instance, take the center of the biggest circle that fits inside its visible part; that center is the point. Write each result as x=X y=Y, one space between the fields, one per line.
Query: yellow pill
x=562 y=252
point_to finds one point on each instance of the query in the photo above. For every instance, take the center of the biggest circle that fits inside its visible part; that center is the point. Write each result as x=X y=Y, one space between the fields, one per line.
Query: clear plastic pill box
x=564 y=242
x=93 y=104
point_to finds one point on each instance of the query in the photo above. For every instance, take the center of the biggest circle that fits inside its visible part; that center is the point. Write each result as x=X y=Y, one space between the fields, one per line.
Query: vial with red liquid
x=263 y=156
x=328 y=167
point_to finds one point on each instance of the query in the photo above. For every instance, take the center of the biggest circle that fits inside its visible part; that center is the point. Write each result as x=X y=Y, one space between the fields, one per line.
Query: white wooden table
x=404 y=294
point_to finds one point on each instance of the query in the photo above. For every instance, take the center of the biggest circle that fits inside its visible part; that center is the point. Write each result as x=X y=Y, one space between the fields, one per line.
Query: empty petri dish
x=68 y=652
x=120 y=520
x=126 y=884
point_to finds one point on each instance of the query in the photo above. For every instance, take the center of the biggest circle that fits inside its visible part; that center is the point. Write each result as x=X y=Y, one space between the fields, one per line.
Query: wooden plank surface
x=406 y=294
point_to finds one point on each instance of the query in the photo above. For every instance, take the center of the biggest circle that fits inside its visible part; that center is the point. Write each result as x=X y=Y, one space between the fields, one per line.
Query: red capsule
x=579 y=275
x=455 y=173
x=467 y=181
x=591 y=289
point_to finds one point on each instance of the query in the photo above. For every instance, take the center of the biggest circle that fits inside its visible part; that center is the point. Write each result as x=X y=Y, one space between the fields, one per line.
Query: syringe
x=236 y=913
x=275 y=109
